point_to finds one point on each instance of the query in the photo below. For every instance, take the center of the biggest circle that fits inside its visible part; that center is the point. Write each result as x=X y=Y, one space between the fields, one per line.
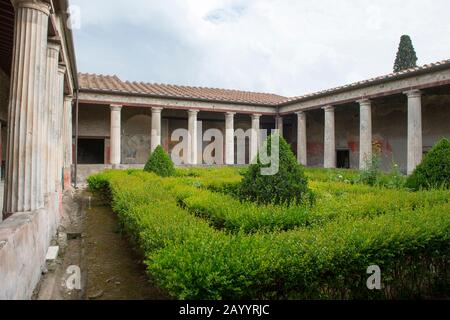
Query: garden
x=231 y=233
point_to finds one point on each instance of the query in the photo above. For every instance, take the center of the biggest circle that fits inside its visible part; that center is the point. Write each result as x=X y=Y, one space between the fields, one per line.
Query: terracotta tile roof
x=111 y=84
x=384 y=78
x=105 y=83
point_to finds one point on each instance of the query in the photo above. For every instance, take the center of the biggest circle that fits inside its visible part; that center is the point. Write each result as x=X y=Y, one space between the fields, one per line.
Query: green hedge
x=191 y=260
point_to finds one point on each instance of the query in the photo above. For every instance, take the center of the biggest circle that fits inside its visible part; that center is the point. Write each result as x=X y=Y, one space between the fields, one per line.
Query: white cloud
x=284 y=46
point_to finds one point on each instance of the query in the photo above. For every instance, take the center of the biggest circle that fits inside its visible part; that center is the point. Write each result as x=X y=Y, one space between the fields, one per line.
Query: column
x=414 y=129
x=365 y=133
x=156 y=128
x=255 y=137
x=192 y=137
x=330 y=139
x=229 y=138
x=301 y=138
x=59 y=111
x=67 y=137
x=115 y=148
x=49 y=110
x=279 y=124
x=23 y=185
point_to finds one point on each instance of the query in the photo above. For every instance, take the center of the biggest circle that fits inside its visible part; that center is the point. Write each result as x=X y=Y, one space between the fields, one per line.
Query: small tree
x=288 y=186
x=160 y=163
x=434 y=171
x=406 y=55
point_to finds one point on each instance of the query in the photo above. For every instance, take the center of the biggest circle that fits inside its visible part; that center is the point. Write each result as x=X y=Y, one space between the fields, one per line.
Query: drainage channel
x=114 y=270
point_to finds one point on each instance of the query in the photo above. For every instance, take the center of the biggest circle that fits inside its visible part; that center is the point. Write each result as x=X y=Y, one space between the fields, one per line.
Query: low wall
x=24 y=241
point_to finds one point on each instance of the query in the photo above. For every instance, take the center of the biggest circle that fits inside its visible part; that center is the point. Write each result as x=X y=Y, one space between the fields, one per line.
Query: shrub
x=434 y=171
x=288 y=186
x=406 y=234
x=160 y=163
x=371 y=173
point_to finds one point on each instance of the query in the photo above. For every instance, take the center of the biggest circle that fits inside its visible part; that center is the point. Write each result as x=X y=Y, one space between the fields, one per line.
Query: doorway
x=91 y=151
x=343 y=159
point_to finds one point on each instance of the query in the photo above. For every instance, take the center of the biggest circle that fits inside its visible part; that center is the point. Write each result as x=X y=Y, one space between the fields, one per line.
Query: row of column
x=37 y=140
x=115 y=144
x=365 y=147
x=414 y=137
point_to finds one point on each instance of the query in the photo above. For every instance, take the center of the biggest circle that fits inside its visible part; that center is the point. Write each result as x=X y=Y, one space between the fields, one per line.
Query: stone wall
x=24 y=239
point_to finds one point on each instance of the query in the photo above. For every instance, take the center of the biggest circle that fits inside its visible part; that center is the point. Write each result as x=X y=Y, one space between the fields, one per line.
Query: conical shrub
x=286 y=187
x=434 y=171
x=160 y=163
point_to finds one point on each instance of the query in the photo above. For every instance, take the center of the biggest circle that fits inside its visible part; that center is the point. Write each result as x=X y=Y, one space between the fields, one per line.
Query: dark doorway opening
x=91 y=151
x=343 y=159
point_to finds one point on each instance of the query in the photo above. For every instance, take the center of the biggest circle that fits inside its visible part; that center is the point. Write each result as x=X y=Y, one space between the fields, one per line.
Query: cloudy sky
x=289 y=47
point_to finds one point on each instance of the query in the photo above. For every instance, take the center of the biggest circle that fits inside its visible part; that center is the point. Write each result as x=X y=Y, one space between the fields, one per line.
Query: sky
x=287 y=47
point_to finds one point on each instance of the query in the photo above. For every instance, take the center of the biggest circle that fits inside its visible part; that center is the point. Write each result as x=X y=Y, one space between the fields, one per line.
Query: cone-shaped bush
x=434 y=171
x=287 y=186
x=160 y=163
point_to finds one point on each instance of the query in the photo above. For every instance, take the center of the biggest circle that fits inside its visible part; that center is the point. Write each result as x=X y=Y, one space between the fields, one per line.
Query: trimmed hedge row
x=191 y=260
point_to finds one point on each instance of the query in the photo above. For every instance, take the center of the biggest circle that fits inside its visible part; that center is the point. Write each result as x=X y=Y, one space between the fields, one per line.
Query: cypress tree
x=406 y=55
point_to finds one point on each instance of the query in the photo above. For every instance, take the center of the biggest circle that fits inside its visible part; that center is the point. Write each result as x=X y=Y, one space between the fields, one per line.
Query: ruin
x=58 y=126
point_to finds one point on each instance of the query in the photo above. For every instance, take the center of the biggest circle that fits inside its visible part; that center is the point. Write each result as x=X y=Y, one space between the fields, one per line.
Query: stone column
x=330 y=139
x=229 y=138
x=192 y=137
x=59 y=154
x=115 y=148
x=23 y=185
x=255 y=137
x=279 y=124
x=156 y=128
x=49 y=111
x=414 y=129
x=301 y=138
x=67 y=137
x=365 y=133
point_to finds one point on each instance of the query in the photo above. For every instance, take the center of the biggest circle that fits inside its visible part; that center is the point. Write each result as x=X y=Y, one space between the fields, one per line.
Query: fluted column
x=279 y=124
x=67 y=137
x=229 y=138
x=301 y=138
x=415 y=147
x=330 y=138
x=59 y=111
x=115 y=147
x=255 y=137
x=365 y=133
x=192 y=137
x=156 y=128
x=23 y=185
x=53 y=50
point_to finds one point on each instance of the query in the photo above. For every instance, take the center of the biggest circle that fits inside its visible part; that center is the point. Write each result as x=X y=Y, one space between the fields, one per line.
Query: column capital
x=68 y=98
x=413 y=93
x=230 y=114
x=62 y=69
x=157 y=109
x=116 y=107
x=364 y=102
x=328 y=108
x=54 y=45
x=39 y=5
x=193 y=111
x=300 y=113
x=256 y=116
